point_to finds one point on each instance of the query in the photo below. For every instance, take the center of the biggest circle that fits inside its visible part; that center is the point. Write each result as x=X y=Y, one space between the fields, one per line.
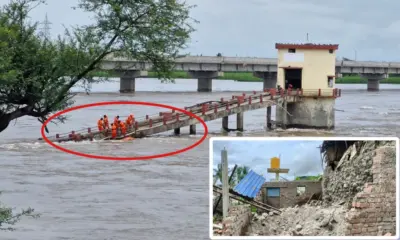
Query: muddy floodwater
x=167 y=198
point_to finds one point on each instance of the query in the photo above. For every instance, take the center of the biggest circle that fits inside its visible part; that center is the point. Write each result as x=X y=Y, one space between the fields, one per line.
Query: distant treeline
x=249 y=77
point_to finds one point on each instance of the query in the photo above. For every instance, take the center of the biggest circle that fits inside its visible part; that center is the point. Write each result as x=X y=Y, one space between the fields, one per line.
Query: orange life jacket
x=116 y=121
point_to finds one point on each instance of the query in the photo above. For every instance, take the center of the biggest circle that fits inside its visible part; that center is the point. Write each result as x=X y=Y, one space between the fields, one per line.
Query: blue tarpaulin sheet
x=250 y=185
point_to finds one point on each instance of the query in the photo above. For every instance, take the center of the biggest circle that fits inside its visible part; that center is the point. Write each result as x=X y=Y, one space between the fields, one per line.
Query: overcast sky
x=301 y=157
x=252 y=27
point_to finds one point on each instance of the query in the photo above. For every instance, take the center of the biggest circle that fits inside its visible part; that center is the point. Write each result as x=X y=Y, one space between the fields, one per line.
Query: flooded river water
x=80 y=198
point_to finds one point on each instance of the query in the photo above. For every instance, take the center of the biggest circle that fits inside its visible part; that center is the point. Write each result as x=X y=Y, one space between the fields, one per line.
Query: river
x=167 y=198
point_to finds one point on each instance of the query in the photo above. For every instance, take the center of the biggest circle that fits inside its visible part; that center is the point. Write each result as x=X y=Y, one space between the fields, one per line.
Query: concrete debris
x=306 y=220
x=351 y=173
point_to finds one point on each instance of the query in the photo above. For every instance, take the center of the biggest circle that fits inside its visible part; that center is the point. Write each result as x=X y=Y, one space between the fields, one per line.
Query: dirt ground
x=307 y=220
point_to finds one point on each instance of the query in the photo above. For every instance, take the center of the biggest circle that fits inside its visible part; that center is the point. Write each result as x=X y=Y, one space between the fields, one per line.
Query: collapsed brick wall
x=373 y=210
x=353 y=170
x=238 y=220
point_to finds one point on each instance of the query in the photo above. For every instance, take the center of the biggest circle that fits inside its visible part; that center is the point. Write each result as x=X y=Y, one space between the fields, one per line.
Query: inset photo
x=330 y=188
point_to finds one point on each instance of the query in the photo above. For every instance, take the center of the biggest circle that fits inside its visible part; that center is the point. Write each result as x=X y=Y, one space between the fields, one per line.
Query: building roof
x=306 y=46
x=250 y=185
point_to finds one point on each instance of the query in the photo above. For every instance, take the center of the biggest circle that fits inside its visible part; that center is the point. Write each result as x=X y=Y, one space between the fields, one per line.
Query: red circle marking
x=124 y=158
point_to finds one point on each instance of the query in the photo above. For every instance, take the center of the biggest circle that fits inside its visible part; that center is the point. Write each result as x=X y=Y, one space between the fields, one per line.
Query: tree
x=318 y=177
x=241 y=172
x=9 y=218
x=37 y=74
x=218 y=174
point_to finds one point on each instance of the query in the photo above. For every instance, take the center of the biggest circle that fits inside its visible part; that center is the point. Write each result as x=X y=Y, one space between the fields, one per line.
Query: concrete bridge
x=207 y=68
x=288 y=115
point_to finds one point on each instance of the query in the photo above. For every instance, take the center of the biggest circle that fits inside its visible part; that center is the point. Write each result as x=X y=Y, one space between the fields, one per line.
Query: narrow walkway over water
x=207 y=111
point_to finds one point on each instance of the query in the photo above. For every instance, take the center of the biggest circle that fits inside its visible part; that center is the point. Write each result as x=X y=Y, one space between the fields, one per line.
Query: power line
x=45 y=30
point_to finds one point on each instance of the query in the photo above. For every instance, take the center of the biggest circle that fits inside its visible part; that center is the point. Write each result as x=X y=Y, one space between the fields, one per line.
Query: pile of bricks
x=373 y=211
x=238 y=220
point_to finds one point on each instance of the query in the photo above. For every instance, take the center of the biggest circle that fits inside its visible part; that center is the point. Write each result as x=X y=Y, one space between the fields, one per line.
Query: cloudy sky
x=371 y=29
x=301 y=157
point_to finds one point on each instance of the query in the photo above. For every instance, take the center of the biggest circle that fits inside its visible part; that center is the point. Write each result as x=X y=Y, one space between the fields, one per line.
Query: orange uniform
x=116 y=119
x=123 y=128
x=100 y=125
x=106 y=123
x=113 y=131
x=130 y=118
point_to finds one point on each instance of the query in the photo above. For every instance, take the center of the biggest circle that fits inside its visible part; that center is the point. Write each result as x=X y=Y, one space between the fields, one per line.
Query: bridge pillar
x=177 y=131
x=312 y=113
x=127 y=80
x=269 y=124
x=225 y=122
x=373 y=85
x=204 y=79
x=192 y=129
x=270 y=78
x=373 y=80
x=239 y=121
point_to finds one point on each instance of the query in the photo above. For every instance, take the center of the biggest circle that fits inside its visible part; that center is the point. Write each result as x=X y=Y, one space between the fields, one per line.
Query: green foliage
x=37 y=74
x=309 y=177
x=240 y=173
x=253 y=209
x=8 y=218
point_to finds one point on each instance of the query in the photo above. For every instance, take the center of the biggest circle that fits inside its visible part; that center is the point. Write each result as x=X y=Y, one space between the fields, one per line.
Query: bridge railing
x=226 y=103
x=333 y=93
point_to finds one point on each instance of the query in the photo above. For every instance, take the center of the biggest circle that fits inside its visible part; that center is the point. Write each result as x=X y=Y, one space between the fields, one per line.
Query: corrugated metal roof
x=250 y=185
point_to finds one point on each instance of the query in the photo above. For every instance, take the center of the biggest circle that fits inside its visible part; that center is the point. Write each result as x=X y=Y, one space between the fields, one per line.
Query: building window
x=292 y=50
x=330 y=50
x=330 y=82
x=273 y=192
x=301 y=190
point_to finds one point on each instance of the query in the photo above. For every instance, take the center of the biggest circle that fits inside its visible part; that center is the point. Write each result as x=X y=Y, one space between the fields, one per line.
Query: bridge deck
x=207 y=111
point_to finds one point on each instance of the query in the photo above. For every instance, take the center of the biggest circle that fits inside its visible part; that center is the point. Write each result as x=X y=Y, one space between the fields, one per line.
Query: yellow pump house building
x=306 y=66
x=310 y=67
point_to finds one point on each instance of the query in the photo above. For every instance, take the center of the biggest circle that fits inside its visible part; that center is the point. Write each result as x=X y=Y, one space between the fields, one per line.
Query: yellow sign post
x=275 y=162
x=276 y=167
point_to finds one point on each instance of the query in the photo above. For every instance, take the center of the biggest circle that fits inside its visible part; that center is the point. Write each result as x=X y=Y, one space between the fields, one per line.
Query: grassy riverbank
x=248 y=77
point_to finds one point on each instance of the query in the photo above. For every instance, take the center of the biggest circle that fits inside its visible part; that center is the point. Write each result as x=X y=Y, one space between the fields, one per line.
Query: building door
x=293 y=76
x=274 y=197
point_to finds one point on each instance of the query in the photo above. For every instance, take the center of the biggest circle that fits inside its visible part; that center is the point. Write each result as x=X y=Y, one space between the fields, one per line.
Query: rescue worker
x=100 y=124
x=113 y=131
x=128 y=124
x=131 y=120
x=106 y=123
x=123 y=127
x=116 y=119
